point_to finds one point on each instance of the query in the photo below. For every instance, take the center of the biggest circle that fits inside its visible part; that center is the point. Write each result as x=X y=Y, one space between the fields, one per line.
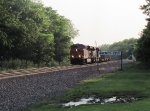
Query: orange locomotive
x=82 y=54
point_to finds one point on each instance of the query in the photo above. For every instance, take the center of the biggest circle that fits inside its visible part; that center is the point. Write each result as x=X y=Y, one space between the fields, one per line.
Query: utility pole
x=121 y=61
x=97 y=53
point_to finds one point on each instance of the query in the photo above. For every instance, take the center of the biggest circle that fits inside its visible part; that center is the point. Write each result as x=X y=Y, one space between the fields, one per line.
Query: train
x=84 y=54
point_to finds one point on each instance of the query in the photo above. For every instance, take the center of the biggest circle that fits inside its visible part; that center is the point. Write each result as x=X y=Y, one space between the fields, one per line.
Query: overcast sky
x=103 y=21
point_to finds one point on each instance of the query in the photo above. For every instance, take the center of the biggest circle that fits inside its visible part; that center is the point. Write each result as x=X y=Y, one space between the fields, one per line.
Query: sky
x=102 y=21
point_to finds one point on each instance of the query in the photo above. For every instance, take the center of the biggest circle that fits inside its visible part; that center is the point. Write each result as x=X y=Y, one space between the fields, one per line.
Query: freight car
x=82 y=54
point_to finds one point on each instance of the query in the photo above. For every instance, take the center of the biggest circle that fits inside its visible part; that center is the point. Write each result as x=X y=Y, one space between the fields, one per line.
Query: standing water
x=92 y=100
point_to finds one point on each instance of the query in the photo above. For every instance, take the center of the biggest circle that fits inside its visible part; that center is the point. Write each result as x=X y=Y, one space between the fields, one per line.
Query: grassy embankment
x=131 y=82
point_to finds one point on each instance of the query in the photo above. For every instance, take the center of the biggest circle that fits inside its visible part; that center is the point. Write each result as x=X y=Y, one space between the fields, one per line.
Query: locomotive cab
x=78 y=54
x=81 y=54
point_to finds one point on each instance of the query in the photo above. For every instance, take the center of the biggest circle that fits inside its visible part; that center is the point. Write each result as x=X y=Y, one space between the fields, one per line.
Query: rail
x=43 y=70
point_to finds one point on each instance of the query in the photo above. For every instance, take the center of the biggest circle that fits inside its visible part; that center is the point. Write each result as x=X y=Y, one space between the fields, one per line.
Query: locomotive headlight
x=76 y=50
x=72 y=56
x=79 y=56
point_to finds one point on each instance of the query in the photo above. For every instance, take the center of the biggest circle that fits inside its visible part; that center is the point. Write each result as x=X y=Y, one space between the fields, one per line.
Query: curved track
x=33 y=71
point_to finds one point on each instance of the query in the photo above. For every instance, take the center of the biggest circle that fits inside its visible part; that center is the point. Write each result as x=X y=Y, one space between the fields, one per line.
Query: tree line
x=139 y=47
x=143 y=44
x=33 y=33
x=127 y=46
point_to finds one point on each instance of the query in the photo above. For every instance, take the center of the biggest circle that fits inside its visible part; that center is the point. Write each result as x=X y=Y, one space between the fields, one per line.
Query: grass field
x=133 y=82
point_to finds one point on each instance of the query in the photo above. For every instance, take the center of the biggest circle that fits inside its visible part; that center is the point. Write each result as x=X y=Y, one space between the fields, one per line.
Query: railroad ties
x=33 y=71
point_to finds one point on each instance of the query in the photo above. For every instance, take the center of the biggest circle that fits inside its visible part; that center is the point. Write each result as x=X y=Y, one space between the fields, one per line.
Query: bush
x=23 y=64
x=16 y=64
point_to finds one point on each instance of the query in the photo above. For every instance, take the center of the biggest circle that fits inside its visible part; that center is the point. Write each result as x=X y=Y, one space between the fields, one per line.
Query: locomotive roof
x=78 y=46
x=82 y=46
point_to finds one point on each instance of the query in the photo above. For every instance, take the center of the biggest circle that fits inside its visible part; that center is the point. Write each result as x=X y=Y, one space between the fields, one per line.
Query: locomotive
x=82 y=54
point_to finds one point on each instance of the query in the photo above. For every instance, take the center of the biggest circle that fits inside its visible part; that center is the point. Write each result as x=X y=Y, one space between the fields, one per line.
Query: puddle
x=93 y=100
x=80 y=102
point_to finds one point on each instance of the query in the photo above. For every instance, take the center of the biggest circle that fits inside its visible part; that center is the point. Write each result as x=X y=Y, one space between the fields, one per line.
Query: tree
x=143 y=44
x=31 y=32
x=105 y=47
x=63 y=31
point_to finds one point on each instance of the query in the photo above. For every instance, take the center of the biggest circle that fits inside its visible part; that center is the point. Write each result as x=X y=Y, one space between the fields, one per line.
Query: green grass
x=130 y=82
x=143 y=105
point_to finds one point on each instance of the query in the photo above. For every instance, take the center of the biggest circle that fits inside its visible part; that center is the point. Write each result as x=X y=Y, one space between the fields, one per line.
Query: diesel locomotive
x=83 y=54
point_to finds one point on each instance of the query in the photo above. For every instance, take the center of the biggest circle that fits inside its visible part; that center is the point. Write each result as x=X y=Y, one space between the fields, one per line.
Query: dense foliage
x=143 y=45
x=31 y=32
x=126 y=46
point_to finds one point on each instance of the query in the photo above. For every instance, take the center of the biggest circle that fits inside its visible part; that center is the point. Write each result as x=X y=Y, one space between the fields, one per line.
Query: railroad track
x=33 y=71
